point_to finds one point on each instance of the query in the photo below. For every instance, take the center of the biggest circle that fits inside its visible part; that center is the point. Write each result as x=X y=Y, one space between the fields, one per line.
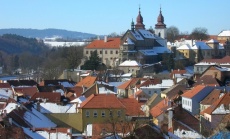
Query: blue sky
x=103 y=17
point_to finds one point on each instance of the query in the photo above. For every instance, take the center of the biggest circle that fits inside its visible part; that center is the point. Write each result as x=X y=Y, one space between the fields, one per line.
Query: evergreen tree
x=93 y=63
x=199 y=55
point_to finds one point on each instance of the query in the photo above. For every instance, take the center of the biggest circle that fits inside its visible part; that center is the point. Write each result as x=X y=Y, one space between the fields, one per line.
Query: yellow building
x=101 y=108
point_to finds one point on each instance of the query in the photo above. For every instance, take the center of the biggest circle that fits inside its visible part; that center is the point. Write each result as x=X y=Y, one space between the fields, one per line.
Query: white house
x=191 y=98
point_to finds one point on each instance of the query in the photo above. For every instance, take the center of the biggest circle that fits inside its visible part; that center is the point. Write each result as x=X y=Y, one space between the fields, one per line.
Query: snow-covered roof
x=126 y=75
x=128 y=41
x=66 y=84
x=103 y=90
x=213 y=41
x=161 y=50
x=6 y=93
x=146 y=33
x=54 y=108
x=130 y=63
x=196 y=46
x=60 y=91
x=10 y=107
x=224 y=33
x=136 y=35
x=223 y=68
x=45 y=134
x=37 y=119
x=184 y=47
x=148 y=52
x=79 y=99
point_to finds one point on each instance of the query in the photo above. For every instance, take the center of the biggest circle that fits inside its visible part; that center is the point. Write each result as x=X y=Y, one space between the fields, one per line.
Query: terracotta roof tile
x=26 y=91
x=149 y=82
x=112 y=43
x=224 y=100
x=130 y=83
x=102 y=101
x=211 y=98
x=87 y=81
x=207 y=80
x=5 y=85
x=133 y=108
x=186 y=118
x=225 y=59
x=49 y=96
x=159 y=108
x=193 y=91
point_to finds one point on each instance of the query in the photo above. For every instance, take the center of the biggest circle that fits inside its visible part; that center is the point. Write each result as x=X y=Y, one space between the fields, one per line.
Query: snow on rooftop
x=103 y=90
x=37 y=119
x=66 y=84
x=146 y=34
x=223 y=68
x=136 y=35
x=128 y=41
x=213 y=41
x=224 y=33
x=10 y=107
x=130 y=63
x=6 y=93
x=60 y=91
x=54 y=108
x=45 y=134
x=79 y=99
x=148 y=52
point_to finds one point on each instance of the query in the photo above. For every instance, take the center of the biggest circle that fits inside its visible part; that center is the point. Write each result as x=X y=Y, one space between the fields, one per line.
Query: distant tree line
x=30 y=54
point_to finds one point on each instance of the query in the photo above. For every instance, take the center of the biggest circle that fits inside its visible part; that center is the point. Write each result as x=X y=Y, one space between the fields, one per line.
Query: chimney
x=38 y=106
x=105 y=39
x=170 y=116
x=83 y=88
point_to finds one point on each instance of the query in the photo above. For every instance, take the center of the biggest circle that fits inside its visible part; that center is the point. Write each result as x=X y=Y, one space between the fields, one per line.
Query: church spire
x=160 y=20
x=139 y=20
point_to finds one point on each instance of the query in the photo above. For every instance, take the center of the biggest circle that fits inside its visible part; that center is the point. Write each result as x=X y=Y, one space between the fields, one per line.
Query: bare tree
x=172 y=33
x=199 y=33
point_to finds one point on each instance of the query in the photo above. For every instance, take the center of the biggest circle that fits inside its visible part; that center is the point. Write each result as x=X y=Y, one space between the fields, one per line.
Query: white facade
x=187 y=103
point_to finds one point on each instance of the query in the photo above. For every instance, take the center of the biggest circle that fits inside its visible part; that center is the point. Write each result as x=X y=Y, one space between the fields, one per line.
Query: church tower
x=160 y=27
x=139 y=24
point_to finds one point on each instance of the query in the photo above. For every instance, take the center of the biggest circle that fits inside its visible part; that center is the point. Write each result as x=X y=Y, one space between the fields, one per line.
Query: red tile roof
x=211 y=98
x=87 y=81
x=112 y=43
x=223 y=100
x=101 y=101
x=5 y=85
x=161 y=107
x=49 y=96
x=130 y=83
x=133 y=108
x=149 y=82
x=225 y=59
x=178 y=71
x=193 y=91
x=207 y=80
x=26 y=91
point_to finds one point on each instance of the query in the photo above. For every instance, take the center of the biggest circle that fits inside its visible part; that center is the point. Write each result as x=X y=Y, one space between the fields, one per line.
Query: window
x=86 y=52
x=94 y=113
x=87 y=113
x=119 y=113
x=111 y=52
x=102 y=113
x=116 y=52
x=149 y=92
x=110 y=113
x=105 y=52
x=197 y=68
x=100 y=52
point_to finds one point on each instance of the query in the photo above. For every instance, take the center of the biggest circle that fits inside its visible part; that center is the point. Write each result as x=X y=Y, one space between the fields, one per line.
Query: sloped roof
x=224 y=100
x=101 y=101
x=133 y=108
x=182 y=119
x=87 y=81
x=5 y=85
x=22 y=82
x=207 y=80
x=111 y=43
x=159 y=108
x=211 y=98
x=26 y=91
x=224 y=33
x=132 y=82
x=130 y=63
x=47 y=97
x=193 y=91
